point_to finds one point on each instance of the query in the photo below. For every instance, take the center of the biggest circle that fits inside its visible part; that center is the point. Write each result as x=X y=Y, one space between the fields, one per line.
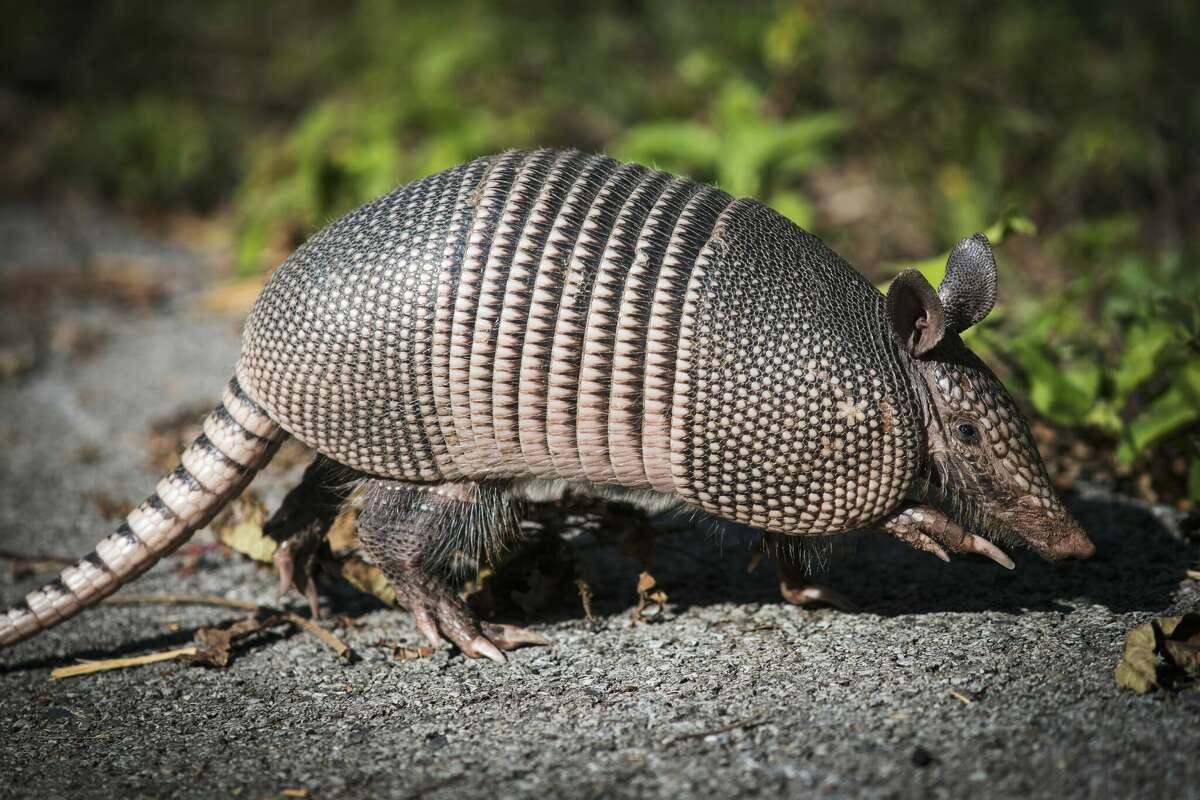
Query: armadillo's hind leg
x=413 y=532
x=301 y=523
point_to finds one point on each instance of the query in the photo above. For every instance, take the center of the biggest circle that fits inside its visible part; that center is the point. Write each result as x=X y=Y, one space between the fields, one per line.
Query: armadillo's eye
x=967 y=432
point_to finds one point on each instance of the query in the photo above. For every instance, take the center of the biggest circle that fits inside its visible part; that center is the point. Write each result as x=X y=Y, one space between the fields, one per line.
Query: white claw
x=985 y=548
x=428 y=629
x=930 y=546
x=485 y=648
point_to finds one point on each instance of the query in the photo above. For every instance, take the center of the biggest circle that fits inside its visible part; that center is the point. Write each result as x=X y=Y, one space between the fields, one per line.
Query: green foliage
x=153 y=151
x=1136 y=376
x=934 y=269
x=740 y=148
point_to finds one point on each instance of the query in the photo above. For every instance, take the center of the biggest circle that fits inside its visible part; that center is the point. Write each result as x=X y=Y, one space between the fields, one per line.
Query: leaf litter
x=214 y=646
x=1162 y=654
x=239 y=528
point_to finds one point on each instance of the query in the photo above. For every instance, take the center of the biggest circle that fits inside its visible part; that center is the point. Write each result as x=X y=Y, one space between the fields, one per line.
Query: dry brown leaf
x=412 y=653
x=404 y=652
x=216 y=644
x=366 y=578
x=1162 y=653
x=343 y=534
x=650 y=603
x=243 y=532
x=248 y=539
x=240 y=527
x=270 y=616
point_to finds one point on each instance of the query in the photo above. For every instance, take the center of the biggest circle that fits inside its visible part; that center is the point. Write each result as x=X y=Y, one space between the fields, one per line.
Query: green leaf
x=1105 y=416
x=1194 y=480
x=672 y=145
x=934 y=268
x=794 y=206
x=1063 y=394
x=1010 y=222
x=1172 y=410
x=1144 y=343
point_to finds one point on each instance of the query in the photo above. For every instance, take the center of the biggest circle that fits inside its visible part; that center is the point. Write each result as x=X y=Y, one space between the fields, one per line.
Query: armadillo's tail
x=238 y=440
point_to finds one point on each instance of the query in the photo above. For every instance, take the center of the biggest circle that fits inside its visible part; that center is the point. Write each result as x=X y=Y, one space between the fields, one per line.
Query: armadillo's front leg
x=405 y=528
x=300 y=525
x=926 y=528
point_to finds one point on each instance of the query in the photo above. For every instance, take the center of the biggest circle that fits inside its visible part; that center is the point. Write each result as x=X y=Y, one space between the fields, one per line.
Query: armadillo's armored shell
x=792 y=412
x=553 y=314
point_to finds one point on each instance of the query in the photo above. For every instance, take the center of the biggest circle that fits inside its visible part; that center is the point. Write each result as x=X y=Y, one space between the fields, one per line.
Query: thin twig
x=35 y=558
x=88 y=667
x=187 y=600
x=960 y=697
x=337 y=645
x=749 y=722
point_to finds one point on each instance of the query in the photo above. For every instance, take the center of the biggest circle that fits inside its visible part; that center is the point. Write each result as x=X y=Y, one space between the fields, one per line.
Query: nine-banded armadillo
x=548 y=318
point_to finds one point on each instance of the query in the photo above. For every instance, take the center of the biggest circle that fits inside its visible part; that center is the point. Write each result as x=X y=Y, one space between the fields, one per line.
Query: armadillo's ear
x=968 y=291
x=918 y=320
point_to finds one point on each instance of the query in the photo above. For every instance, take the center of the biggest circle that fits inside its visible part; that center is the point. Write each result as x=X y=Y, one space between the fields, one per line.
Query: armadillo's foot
x=408 y=530
x=300 y=525
x=930 y=530
x=440 y=615
x=798 y=591
x=300 y=550
x=793 y=576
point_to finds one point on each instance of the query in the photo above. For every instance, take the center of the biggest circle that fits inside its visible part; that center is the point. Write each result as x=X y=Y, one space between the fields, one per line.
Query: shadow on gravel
x=1137 y=567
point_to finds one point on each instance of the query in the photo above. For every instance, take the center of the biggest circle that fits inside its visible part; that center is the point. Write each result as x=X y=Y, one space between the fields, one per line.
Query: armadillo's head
x=983 y=467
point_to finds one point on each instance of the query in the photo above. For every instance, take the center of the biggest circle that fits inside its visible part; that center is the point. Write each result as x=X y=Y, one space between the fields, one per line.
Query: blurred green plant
x=151 y=152
x=740 y=148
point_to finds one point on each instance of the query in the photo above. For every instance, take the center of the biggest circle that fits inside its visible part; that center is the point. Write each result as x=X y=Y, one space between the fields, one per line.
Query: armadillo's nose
x=1081 y=547
x=1074 y=543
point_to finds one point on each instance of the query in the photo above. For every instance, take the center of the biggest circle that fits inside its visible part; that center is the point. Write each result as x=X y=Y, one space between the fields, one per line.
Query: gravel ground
x=949 y=680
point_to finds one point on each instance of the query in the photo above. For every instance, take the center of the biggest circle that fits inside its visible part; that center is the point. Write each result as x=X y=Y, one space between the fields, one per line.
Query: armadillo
x=541 y=319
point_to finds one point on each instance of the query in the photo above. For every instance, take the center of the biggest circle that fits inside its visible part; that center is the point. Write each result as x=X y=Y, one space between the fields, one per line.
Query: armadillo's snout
x=1078 y=545
x=1049 y=529
x=1072 y=542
